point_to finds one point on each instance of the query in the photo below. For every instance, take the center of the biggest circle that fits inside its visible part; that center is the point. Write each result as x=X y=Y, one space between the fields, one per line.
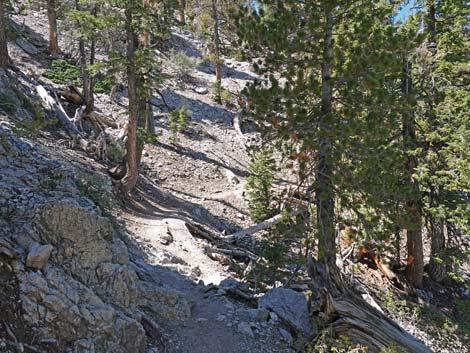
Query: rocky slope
x=79 y=273
x=82 y=272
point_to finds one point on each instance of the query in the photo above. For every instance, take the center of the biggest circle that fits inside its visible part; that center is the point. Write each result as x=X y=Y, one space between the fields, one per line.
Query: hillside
x=86 y=268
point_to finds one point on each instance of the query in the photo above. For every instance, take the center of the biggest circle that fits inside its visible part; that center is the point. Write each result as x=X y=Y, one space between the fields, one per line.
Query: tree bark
x=437 y=267
x=324 y=194
x=88 y=84
x=182 y=12
x=144 y=88
x=3 y=37
x=343 y=310
x=52 y=18
x=414 y=238
x=130 y=178
x=218 y=69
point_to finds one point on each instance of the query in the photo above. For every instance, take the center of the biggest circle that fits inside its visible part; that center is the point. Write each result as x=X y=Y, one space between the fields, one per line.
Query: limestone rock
x=290 y=306
x=38 y=255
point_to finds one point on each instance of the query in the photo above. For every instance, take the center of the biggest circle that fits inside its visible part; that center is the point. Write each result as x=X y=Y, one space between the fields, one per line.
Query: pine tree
x=332 y=72
x=142 y=20
x=442 y=113
x=3 y=37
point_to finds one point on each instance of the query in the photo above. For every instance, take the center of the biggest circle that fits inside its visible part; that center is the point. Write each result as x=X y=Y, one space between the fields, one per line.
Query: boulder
x=38 y=255
x=27 y=47
x=290 y=306
x=201 y=90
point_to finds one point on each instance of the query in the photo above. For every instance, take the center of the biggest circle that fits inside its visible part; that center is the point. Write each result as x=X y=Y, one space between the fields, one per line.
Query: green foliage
x=183 y=64
x=463 y=313
x=326 y=343
x=7 y=104
x=104 y=85
x=178 y=121
x=64 y=72
x=396 y=306
x=217 y=91
x=259 y=185
x=222 y=95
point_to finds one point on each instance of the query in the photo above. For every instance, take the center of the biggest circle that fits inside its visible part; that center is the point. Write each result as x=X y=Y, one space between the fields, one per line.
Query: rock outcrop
x=76 y=282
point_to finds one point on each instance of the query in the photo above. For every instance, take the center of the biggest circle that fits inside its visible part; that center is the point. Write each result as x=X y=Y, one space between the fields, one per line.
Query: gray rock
x=286 y=336
x=245 y=329
x=259 y=314
x=27 y=47
x=201 y=90
x=38 y=255
x=290 y=306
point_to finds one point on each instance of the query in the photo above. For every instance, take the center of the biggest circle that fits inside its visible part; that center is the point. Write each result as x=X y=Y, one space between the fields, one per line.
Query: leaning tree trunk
x=344 y=311
x=132 y=156
x=324 y=194
x=52 y=18
x=414 y=238
x=3 y=38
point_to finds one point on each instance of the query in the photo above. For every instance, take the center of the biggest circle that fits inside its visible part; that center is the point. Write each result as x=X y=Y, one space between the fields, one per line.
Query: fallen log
x=55 y=106
x=71 y=94
x=342 y=309
x=256 y=228
x=238 y=130
x=234 y=252
x=198 y=231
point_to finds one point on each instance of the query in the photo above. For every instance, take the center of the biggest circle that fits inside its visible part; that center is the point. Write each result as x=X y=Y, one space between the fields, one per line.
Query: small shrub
x=178 y=121
x=184 y=64
x=104 y=85
x=217 y=92
x=222 y=95
x=63 y=72
x=326 y=343
x=7 y=104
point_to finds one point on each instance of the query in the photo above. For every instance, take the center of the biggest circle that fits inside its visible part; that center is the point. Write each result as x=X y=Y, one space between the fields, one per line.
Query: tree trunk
x=343 y=310
x=324 y=194
x=88 y=80
x=130 y=179
x=182 y=12
x=249 y=7
x=52 y=17
x=3 y=38
x=437 y=267
x=414 y=238
x=218 y=70
x=144 y=89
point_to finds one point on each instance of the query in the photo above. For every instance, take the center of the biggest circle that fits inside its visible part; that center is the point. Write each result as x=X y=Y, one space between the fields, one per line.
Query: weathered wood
x=71 y=94
x=197 y=231
x=255 y=229
x=55 y=106
x=234 y=252
x=343 y=310
x=238 y=130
